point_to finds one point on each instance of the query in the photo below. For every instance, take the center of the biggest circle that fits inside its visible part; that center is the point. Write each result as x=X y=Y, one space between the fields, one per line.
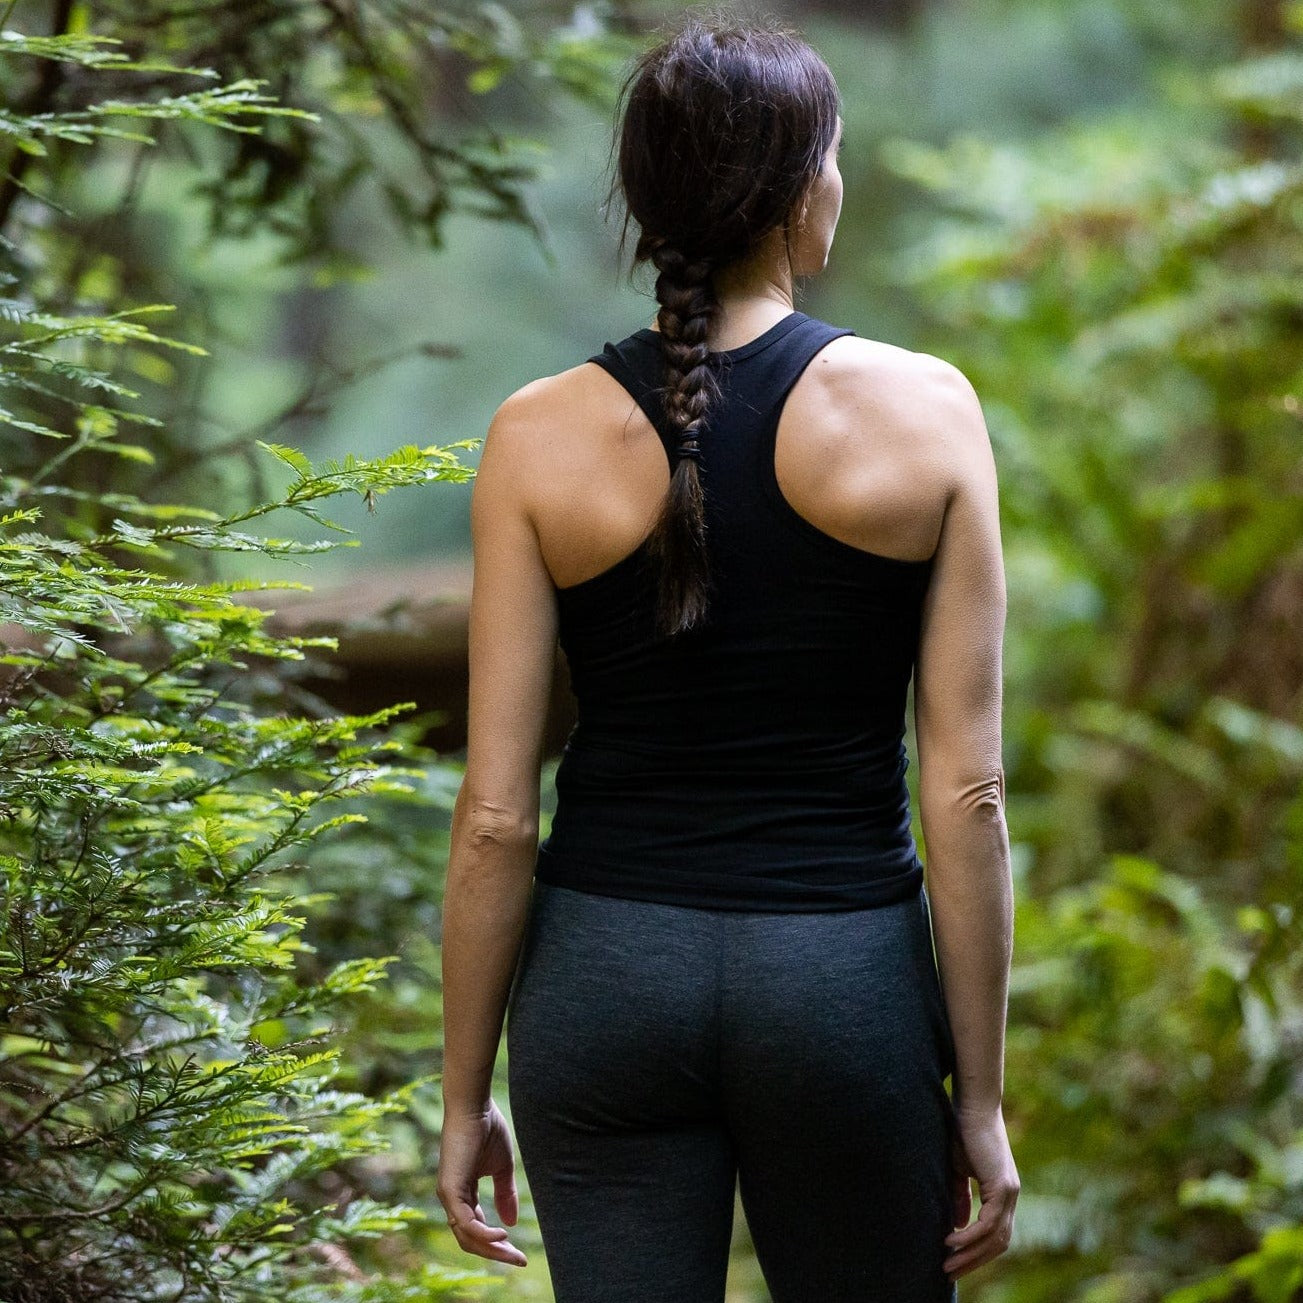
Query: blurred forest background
x=269 y=267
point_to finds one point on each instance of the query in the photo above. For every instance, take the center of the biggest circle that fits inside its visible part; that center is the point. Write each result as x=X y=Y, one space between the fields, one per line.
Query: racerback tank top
x=756 y=761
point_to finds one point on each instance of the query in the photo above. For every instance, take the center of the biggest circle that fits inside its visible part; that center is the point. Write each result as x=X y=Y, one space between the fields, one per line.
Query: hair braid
x=723 y=127
x=686 y=293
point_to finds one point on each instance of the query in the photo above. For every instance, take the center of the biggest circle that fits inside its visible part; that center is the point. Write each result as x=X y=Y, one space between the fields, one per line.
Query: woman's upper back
x=757 y=760
x=858 y=453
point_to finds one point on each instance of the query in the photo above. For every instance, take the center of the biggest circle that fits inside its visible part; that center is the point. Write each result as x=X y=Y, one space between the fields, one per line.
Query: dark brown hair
x=723 y=128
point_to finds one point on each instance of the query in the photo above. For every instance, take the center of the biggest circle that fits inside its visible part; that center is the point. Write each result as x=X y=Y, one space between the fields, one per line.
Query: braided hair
x=725 y=124
x=686 y=294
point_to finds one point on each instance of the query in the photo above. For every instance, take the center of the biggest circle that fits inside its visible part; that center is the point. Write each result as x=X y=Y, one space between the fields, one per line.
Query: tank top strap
x=756 y=395
x=771 y=373
x=637 y=369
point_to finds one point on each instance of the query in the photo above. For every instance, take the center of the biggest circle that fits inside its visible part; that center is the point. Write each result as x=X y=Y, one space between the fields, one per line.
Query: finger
x=989 y=1244
x=475 y=1235
x=470 y=1222
x=499 y=1250
x=977 y=1239
x=966 y=1235
x=481 y=1230
x=971 y=1260
x=505 y=1197
x=976 y=1250
x=459 y=1207
x=991 y=1217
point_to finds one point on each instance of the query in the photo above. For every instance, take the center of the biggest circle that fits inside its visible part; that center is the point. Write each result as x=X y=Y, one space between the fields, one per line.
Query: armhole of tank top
x=624 y=375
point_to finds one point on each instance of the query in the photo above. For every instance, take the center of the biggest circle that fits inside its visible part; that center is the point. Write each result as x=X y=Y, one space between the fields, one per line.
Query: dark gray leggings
x=659 y=1054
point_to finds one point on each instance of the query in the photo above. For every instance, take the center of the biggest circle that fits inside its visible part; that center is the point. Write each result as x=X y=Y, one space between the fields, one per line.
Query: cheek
x=838 y=194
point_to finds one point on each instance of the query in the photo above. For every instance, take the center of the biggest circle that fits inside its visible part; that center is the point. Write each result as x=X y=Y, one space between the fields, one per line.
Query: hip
x=606 y=985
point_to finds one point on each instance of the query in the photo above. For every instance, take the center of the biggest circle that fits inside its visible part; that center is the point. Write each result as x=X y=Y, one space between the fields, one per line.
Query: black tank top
x=756 y=761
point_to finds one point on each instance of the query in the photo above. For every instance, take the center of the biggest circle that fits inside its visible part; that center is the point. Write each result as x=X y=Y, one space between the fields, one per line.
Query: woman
x=747 y=528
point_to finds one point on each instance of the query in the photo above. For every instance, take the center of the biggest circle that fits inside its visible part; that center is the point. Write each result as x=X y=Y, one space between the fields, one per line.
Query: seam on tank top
x=906 y=866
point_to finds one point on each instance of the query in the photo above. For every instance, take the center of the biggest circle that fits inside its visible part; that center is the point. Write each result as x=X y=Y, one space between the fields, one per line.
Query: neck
x=753 y=294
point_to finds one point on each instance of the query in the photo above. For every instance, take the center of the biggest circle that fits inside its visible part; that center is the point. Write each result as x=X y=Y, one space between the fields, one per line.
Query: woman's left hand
x=474 y=1145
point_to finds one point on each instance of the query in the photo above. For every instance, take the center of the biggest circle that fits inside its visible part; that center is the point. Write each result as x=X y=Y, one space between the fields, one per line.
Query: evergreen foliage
x=176 y=1121
x=166 y=1076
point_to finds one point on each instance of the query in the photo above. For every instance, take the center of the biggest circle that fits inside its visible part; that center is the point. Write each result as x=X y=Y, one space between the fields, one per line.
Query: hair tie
x=690 y=449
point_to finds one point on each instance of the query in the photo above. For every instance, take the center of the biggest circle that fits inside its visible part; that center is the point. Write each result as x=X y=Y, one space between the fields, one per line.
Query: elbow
x=969 y=797
x=488 y=826
x=984 y=797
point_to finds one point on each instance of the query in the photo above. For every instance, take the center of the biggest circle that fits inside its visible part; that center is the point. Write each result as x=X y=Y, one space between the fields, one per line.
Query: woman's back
x=756 y=761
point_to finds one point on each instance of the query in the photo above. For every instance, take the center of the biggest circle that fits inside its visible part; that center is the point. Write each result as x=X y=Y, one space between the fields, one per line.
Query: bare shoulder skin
x=863 y=447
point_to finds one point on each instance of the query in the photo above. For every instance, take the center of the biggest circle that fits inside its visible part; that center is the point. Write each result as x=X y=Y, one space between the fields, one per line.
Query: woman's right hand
x=981 y=1151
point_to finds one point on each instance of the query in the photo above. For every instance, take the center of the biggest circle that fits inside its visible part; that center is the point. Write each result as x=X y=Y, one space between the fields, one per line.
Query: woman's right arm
x=957 y=710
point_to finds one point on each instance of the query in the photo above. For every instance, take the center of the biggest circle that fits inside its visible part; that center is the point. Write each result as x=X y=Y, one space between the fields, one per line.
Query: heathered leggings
x=660 y=1057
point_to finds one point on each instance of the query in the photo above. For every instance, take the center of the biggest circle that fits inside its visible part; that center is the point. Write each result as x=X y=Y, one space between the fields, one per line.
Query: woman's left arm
x=495 y=823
